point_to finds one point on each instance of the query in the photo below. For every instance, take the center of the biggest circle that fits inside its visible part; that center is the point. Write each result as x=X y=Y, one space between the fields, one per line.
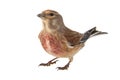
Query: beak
x=40 y=15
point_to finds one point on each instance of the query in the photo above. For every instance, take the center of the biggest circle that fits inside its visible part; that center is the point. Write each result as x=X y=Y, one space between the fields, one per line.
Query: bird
x=59 y=40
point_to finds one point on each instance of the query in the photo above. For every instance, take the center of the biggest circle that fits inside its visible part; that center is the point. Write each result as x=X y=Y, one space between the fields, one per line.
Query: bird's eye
x=51 y=14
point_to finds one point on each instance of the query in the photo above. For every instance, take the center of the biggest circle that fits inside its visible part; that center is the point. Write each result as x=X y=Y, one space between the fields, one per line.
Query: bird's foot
x=49 y=63
x=66 y=66
x=63 y=68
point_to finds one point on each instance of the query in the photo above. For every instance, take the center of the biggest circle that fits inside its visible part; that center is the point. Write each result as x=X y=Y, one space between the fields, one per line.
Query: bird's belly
x=56 y=47
x=51 y=44
x=52 y=47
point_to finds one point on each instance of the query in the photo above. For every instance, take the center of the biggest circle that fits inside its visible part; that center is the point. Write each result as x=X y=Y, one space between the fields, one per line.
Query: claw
x=63 y=68
x=66 y=66
x=49 y=63
x=44 y=64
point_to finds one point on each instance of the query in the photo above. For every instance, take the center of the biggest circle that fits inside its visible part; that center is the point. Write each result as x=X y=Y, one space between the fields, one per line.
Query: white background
x=21 y=51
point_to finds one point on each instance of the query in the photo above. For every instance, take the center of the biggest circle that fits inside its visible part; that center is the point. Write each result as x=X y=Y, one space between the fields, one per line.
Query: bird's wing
x=72 y=37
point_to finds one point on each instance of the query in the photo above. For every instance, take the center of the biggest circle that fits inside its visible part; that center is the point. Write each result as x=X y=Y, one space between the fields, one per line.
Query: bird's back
x=72 y=37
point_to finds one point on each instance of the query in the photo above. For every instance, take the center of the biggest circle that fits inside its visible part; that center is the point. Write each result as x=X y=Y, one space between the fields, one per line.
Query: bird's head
x=51 y=19
x=49 y=15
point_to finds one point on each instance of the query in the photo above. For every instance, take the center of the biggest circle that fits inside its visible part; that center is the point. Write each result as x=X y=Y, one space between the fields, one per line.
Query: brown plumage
x=60 y=41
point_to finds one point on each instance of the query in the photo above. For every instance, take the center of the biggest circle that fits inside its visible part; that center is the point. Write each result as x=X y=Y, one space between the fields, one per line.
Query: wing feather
x=72 y=37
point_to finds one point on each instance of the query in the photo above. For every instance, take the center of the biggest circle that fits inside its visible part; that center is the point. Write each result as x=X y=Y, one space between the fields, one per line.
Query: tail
x=90 y=33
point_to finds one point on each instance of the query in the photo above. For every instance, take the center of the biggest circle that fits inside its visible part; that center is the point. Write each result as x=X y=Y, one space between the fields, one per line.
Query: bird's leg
x=49 y=62
x=66 y=66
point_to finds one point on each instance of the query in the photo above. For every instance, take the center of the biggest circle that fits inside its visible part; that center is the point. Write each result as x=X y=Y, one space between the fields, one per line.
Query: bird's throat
x=46 y=27
x=50 y=26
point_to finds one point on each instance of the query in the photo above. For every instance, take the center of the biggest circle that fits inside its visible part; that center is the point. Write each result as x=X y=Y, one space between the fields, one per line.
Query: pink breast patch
x=51 y=44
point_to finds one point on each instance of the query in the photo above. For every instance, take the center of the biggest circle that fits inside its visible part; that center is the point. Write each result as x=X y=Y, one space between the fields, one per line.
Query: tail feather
x=90 y=33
